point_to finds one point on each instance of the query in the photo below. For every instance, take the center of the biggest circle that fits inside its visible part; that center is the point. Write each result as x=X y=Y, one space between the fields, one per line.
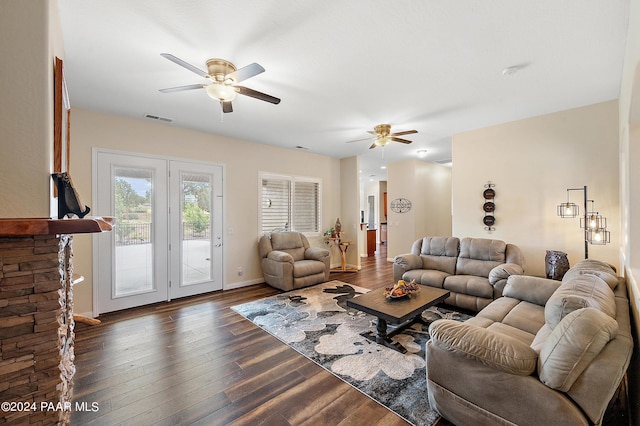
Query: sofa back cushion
x=582 y=292
x=478 y=256
x=572 y=345
x=593 y=267
x=439 y=253
x=289 y=242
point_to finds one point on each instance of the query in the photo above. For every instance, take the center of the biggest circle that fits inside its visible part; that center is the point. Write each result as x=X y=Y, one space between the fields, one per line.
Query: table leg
x=381 y=328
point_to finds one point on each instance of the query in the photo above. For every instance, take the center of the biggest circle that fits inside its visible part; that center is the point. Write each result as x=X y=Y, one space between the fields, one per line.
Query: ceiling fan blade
x=183 y=88
x=245 y=72
x=184 y=64
x=406 y=132
x=255 y=94
x=360 y=140
x=373 y=133
x=400 y=140
x=226 y=106
x=373 y=145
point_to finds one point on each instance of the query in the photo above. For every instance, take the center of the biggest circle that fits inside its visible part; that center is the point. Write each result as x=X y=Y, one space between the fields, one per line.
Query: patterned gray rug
x=317 y=323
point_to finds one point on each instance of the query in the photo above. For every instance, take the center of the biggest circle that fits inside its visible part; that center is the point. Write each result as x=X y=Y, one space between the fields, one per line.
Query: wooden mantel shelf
x=15 y=227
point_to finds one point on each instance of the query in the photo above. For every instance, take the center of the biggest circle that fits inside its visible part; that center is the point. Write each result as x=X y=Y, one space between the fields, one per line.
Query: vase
x=338 y=226
x=557 y=264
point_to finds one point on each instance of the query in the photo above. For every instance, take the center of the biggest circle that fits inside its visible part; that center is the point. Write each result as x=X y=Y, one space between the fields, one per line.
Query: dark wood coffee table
x=404 y=311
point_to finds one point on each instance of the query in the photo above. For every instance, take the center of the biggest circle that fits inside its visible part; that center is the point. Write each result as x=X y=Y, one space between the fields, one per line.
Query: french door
x=167 y=242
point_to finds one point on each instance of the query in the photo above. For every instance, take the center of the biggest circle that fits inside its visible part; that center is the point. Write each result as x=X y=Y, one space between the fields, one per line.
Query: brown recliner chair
x=288 y=262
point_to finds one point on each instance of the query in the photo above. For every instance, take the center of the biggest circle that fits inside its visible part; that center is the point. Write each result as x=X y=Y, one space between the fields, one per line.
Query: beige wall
x=428 y=187
x=532 y=162
x=243 y=160
x=30 y=38
x=350 y=208
x=630 y=187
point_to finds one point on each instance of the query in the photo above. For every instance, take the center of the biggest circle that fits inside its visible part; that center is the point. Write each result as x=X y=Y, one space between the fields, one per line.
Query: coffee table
x=404 y=311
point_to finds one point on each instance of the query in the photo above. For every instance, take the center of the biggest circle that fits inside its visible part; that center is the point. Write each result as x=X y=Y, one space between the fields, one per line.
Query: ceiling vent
x=444 y=161
x=158 y=118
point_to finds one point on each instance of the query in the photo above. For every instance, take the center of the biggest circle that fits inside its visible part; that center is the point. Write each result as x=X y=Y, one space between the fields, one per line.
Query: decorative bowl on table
x=401 y=289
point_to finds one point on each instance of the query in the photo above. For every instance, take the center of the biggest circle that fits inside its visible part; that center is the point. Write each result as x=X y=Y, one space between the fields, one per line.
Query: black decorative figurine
x=68 y=198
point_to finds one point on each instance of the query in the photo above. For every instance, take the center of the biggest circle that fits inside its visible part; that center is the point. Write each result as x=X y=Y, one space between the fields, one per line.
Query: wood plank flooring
x=195 y=361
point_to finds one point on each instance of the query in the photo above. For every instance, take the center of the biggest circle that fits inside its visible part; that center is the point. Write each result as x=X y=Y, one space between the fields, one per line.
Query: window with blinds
x=289 y=203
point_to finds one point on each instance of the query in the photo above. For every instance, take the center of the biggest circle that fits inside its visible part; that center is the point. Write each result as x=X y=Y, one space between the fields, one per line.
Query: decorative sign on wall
x=400 y=205
x=489 y=207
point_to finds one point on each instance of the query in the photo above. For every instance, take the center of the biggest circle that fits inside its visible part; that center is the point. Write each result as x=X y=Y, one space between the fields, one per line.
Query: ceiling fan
x=382 y=136
x=224 y=76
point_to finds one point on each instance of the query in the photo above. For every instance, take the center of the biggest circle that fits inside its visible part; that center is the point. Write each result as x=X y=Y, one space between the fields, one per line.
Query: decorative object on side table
x=556 y=264
x=489 y=207
x=338 y=226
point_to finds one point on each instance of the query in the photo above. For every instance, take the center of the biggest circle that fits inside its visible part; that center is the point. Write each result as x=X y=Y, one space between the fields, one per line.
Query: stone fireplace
x=36 y=318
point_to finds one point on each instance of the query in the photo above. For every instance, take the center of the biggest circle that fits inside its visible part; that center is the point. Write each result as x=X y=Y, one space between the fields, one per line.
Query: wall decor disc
x=400 y=205
x=489 y=194
x=489 y=220
x=489 y=206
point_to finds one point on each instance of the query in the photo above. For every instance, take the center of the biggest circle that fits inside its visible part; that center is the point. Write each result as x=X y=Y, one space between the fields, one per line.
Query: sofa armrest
x=530 y=289
x=316 y=253
x=499 y=351
x=405 y=262
x=280 y=256
x=498 y=276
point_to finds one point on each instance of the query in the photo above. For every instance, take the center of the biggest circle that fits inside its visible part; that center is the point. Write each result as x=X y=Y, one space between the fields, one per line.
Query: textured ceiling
x=341 y=67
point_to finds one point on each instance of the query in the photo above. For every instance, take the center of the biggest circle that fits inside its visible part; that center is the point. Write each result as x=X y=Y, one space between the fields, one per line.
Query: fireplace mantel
x=17 y=227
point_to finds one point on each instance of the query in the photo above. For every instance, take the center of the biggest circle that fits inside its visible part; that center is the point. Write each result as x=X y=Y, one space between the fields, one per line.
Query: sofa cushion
x=439 y=253
x=502 y=352
x=586 y=291
x=470 y=285
x=430 y=277
x=572 y=345
x=478 y=256
x=592 y=267
x=289 y=242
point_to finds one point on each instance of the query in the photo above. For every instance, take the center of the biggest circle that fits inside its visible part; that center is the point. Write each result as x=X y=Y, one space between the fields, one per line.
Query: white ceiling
x=341 y=67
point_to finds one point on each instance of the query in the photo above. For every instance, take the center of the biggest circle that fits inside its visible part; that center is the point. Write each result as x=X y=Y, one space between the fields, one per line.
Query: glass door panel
x=196 y=227
x=133 y=272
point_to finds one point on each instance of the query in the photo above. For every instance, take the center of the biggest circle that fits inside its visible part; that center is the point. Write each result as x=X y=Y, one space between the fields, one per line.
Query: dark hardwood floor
x=195 y=361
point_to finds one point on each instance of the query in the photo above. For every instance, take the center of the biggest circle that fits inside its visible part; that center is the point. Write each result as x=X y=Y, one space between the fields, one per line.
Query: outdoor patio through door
x=167 y=242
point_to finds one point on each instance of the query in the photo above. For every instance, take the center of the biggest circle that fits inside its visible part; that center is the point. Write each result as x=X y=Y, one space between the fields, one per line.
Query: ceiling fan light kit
x=382 y=136
x=224 y=76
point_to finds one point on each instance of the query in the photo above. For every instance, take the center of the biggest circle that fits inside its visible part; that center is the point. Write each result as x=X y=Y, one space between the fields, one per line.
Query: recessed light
x=383 y=167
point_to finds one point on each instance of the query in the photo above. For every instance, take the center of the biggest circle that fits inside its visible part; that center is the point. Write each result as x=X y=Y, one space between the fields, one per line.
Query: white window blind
x=289 y=203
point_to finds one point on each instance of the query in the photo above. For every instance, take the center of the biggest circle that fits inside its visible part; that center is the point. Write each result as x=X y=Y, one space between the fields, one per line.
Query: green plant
x=195 y=216
x=329 y=232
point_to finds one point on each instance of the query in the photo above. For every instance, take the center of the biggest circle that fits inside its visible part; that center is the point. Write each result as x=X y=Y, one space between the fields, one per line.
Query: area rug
x=317 y=323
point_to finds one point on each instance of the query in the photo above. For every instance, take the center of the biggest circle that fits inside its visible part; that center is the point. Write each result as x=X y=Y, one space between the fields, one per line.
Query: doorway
x=167 y=241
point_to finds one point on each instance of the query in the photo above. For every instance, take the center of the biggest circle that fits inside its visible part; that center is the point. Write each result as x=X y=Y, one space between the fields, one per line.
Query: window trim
x=293 y=179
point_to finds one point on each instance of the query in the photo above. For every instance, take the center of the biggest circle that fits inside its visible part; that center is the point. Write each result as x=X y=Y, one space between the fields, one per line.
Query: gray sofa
x=289 y=262
x=474 y=270
x=546 y=353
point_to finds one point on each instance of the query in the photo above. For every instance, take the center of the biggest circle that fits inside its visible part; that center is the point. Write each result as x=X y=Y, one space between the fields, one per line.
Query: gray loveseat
x=546 y=353
x=474 y=270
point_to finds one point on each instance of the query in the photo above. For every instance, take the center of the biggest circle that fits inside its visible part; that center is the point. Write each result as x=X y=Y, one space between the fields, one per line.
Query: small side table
x=343 y=246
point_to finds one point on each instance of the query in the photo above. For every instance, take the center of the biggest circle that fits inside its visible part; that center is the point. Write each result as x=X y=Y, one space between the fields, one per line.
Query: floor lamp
x=595 y=226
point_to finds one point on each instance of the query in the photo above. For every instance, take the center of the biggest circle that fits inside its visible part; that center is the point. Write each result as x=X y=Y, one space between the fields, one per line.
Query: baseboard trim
x=231 y=286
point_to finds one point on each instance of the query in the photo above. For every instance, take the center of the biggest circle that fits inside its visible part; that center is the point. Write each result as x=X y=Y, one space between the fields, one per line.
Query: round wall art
x=489 y=207
x=400 y=205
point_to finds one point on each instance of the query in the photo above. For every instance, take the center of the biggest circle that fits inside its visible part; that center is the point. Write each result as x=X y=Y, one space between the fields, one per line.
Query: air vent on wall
x=157 y=117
